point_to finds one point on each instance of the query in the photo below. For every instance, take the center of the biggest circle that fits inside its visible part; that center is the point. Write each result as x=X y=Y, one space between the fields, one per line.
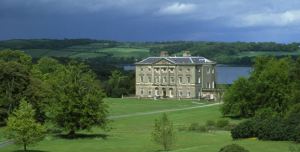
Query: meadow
x=90 y=51
x=133 y=133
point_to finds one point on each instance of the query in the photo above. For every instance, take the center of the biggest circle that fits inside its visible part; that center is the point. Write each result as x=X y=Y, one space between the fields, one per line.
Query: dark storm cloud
x=155 y=20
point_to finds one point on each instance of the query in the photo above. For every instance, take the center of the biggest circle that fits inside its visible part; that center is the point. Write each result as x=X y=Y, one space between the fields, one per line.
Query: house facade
x=176 y=77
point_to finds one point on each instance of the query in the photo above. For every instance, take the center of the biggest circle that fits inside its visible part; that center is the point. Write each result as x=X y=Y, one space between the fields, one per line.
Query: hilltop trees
x=163 y=132
x=22 y=127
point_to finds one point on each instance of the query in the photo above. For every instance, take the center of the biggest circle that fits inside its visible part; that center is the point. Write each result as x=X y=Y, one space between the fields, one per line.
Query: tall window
x=142 y=79
x=199 y=79
x=180 y=79
x=213 y=84
x=180 y=93
x=189 y=94
x=142 y=92
x=149 y=92
x=164 y=79
x=188 y=79
x=208 y=70
x=149 y=79
x=157 y=79
x=172 y=79
x=212 y=71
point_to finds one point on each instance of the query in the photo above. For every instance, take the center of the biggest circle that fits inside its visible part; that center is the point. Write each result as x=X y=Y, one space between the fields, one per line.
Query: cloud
x=177 y=9
x=286 y=18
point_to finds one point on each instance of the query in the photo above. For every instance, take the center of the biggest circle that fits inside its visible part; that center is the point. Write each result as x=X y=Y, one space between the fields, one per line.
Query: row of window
x=170 y=93
x=208 y=70
x=164 y=79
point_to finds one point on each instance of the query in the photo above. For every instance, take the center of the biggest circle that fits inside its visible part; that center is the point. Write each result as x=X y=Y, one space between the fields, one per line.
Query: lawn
x=133 y=134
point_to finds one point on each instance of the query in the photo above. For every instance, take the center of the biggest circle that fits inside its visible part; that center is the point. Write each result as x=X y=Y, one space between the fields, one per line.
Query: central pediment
x=163 y=62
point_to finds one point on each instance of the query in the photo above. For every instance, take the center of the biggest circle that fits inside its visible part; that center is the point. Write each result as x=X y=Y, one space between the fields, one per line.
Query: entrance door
x=164 y=92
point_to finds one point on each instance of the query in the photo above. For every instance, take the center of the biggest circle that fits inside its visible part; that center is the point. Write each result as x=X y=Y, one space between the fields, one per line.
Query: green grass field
x=133 y=133
x=90 y=52
x=253 y=54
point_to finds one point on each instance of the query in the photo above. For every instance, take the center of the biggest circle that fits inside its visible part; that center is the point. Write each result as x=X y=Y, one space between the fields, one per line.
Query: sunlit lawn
x=133 y=134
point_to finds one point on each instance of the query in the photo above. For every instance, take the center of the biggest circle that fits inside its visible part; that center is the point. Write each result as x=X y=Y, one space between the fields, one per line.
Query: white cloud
x=177 y=9
x=286 y=18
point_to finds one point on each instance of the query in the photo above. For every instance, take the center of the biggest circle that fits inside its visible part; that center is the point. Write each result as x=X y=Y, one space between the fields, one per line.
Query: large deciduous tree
x=78 y=100
x=17 y=80
x=22 y=127
x=270 y=85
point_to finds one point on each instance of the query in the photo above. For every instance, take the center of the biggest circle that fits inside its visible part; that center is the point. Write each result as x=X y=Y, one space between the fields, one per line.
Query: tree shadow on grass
x=30 y=151
x=83 y=136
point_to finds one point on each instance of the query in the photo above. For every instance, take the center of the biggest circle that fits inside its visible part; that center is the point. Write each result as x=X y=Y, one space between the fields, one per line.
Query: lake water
x=225 y=74
x=228 y=74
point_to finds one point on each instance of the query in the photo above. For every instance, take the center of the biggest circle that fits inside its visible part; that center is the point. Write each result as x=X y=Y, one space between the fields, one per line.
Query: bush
x=243 y=130
x=233 y=148
x=210 y=123
x=222 y=123
x=203 y=129
x=194 y=127
x=272 y=129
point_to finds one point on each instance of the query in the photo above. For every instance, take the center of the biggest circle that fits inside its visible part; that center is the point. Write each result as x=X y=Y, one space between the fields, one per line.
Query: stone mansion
x=175 y=77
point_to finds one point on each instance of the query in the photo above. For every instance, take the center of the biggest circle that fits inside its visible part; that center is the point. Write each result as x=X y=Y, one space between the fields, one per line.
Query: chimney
x=186 y=54
x=164 y=53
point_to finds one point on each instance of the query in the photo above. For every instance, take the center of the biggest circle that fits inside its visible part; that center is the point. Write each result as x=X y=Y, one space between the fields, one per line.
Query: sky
x=152 y=20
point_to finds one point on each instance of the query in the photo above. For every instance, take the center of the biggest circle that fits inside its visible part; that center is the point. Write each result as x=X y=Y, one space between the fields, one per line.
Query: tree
x=14 y=80
x=269 y=86
x=118 y=84
x=78 y=101
x=22 y=128
x=163 y=132
x=237 y=99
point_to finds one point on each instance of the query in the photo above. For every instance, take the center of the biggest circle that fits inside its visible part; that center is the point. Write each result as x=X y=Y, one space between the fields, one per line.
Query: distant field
x=253 y=54
x=90 y=51
x=133 y=134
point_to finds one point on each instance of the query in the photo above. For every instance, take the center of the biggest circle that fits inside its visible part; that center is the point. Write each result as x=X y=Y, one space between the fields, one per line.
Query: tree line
x=69 y=96
x=222 y=52
x=269 y=97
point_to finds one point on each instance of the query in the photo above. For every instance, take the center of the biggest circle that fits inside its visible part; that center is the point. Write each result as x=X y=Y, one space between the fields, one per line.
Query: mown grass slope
x=133 y=134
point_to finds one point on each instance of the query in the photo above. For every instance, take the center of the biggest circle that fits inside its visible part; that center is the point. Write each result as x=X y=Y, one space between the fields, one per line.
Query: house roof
x=177 y=60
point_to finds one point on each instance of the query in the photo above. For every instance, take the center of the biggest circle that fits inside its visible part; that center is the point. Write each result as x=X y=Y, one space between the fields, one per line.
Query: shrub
x=203 y=129
x=210 y=123
x=243 y=130
x=233 y=148
x=222 y=123
x=273 y=129
x=194 y=127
